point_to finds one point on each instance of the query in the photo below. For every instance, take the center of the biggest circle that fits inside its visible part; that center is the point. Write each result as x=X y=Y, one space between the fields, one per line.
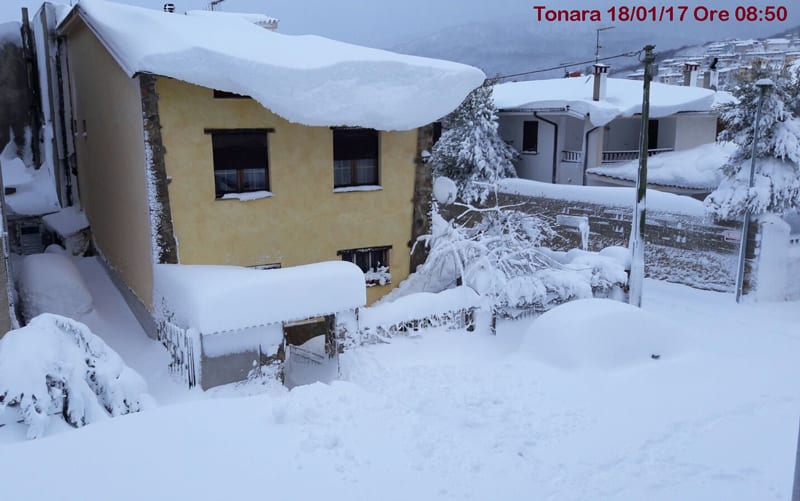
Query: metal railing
x=610 y=157
x=180 y=345
x=571 y=156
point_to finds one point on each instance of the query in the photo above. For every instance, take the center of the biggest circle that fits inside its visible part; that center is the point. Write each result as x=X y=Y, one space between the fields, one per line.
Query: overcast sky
x=385 y=23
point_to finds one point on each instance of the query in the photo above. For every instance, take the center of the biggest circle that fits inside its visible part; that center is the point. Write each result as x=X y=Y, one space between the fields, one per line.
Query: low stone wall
x=682 y=248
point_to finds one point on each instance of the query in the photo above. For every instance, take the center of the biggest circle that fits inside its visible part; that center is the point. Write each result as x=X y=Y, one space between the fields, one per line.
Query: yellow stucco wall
x=111 y=163
x=304 y=221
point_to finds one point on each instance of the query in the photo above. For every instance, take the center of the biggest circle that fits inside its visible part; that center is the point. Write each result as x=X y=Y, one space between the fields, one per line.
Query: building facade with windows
x=172 y=169
x=565 y=127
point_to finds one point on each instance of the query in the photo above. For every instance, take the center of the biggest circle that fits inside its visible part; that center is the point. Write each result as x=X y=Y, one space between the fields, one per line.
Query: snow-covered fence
x=682 y=244
x=453 y=309
x=182 y=344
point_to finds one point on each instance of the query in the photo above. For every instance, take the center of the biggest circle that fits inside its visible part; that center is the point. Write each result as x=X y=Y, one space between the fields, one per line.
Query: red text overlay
x=671 y=14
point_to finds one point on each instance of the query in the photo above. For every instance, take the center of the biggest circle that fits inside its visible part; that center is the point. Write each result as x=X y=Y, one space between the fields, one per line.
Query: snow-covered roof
x=694 y=169
x=623 y=97
x=305 y=79
x=222 y=298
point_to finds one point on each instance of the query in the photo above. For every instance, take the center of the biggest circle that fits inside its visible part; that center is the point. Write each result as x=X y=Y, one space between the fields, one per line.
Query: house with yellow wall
x=208 y=140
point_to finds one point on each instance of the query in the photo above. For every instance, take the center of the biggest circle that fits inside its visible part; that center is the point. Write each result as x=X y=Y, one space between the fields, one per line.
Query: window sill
x=349 y=189
x=530 y=152
x=246 y=196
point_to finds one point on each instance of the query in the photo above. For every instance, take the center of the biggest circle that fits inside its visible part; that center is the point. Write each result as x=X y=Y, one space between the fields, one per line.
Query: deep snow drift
x=472 y=416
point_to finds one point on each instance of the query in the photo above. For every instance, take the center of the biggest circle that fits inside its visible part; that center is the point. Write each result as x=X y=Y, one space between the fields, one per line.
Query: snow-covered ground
x=458 y=415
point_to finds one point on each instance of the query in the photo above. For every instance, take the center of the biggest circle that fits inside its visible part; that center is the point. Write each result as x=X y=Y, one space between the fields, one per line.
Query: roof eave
x=70 y=21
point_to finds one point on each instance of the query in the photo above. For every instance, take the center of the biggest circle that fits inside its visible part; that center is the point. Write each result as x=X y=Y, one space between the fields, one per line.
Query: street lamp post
x=597 y=42
x=764 y=86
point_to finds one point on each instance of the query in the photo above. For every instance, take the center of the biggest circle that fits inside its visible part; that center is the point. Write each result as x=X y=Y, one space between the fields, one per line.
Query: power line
x=565 y=65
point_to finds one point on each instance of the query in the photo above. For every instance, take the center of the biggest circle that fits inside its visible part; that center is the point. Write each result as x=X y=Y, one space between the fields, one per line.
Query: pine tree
x=470 y=151
x=776 y=185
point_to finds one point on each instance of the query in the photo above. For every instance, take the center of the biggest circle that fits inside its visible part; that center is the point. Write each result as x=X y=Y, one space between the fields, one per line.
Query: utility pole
x=214 y=3
x=764 y=85
x=636 y=244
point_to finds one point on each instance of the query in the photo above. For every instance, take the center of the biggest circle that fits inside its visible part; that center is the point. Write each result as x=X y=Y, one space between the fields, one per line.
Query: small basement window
x=241 y=160
x=221 y=94
x=373 y=261
x=530 y=136
x=355 y=157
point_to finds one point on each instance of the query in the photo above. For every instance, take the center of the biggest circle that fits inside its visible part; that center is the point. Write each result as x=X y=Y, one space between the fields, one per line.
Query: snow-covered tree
x=470 y=151
x=497 y=252
x=776 y=186
x=57 y=366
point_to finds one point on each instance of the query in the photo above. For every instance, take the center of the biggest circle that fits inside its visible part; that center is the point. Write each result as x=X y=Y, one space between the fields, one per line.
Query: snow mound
x=601 y=334
x=55 y=365
x=51 y=283
x=306 y=79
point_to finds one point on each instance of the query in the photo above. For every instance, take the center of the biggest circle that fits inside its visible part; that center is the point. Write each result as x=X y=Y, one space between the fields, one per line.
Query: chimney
x=690 y=74
x=169 y=7
x=711 y=76
x=600 y=72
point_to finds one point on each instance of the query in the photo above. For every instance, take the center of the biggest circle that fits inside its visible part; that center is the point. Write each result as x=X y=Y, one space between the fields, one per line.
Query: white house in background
x=564 y=127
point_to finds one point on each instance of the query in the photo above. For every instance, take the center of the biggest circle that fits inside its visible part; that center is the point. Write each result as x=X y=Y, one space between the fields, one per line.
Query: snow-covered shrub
x=51 y=283
x=777 y=177
x=56 y=365
x=470 y=151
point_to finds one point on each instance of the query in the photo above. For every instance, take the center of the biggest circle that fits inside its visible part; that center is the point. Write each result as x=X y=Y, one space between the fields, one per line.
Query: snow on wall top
x=221 y=298
x=614 y=196
x=419 y=305
x=695 y=168
x=305 y=79
x=623 y=97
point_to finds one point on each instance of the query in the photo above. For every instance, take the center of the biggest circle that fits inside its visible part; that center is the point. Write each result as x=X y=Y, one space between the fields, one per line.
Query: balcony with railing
x=610 y=157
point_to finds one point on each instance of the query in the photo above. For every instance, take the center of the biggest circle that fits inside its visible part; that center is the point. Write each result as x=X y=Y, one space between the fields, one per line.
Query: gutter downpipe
x=586 y=151
x=555 y=142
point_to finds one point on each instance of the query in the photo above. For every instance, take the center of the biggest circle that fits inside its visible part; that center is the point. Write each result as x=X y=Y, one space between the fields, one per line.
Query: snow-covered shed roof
x=306 y=79
x=623 y=97
x=214 y=298
x=697 y=168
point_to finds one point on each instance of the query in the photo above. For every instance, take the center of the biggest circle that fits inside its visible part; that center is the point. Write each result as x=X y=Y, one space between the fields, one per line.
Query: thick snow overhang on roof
x=222 y=298
x=305 y=79
x=623 y=98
